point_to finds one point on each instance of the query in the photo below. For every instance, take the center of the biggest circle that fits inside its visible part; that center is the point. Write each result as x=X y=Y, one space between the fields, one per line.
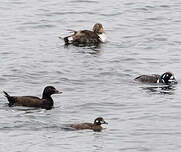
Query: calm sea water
x=144 y=37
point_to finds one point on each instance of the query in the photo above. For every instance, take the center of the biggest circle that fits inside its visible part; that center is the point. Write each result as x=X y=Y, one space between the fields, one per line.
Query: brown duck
x=87 y=37
x=31 y=101
x=96 y=126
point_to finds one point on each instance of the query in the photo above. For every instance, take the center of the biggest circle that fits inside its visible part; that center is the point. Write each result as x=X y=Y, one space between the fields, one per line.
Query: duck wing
x=83 y=38
x=29 y=101
x=32 y=97
x=86 y=37
x=148 y=78
x=82 y=126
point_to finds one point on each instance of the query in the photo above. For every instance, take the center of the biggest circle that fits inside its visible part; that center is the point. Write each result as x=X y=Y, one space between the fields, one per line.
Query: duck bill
x=58 y=92
x=101 y=30
x=104 y=122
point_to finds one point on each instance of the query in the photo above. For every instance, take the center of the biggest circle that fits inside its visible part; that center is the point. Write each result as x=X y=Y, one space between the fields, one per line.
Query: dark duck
x=46 y=102
x=165 y=78
x=96 y=126
x=87 y=37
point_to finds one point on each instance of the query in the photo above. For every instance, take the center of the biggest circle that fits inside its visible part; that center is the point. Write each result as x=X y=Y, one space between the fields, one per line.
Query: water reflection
x=166 y=89
x=95 y=50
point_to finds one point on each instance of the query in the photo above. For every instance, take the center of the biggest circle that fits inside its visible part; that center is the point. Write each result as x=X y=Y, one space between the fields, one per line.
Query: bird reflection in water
x=166 y=89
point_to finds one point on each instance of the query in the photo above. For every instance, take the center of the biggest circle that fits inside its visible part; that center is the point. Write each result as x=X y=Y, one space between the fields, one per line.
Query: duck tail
x=67 y=39
x=6 y=95
x=70 y=30
x=10 y=98
x=60 y=37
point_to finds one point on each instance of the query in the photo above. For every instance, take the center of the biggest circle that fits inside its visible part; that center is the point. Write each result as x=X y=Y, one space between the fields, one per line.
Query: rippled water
x=144 y=38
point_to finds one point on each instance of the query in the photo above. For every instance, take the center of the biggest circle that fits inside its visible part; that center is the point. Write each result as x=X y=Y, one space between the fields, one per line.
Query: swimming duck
x=87 y=37
x=31 y=101
x=165 y=78
x=96 y=126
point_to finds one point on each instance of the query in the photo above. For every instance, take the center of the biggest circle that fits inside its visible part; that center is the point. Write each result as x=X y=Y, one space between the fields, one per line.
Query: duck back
x=29 y=101
x=83 y=38
x=148 y=78
x=82 y=126
x=86 y=126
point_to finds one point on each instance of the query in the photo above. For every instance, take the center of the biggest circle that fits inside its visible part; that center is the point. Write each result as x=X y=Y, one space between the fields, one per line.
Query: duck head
x=98 y=28
x=168 y=78
x=99 y=121
x=49 y=90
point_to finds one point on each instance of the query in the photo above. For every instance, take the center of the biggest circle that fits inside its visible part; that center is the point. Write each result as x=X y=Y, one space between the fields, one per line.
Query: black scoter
x=46 y=102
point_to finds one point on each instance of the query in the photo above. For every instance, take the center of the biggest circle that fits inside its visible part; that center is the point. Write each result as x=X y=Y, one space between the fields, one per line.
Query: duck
x=96 y=126
x=165 y=78
x=46 y=102
x=87 y=37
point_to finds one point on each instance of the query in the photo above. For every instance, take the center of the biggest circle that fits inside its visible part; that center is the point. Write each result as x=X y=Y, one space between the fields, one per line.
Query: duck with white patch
x=96 y=126
x=87 y=37
x=165 y=78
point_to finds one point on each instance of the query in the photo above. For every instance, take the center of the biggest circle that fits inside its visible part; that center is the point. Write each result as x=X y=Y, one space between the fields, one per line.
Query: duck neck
x=163 y=81
x=48 y=102
x=97 y=124
x=45 y=96
x=97 y=128
x=97 y=32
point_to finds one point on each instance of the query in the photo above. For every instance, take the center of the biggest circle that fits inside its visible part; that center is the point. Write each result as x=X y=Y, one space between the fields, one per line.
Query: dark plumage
x=86 y=37
x=96 y=126
x=166 y=78
x=30 y=101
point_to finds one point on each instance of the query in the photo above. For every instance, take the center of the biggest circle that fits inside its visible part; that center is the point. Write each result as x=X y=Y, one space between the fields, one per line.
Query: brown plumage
x=86 y=37
x=96 y=126
x=148 y=78
x=31 y=101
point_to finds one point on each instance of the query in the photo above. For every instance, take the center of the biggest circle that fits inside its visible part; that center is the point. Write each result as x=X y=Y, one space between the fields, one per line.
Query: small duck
x=96 y=126
x=31 y=101
x=165 y=78
x=87 y=37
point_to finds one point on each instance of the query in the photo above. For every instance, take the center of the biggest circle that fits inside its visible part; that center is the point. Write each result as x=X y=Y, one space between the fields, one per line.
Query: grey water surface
x=144 y=37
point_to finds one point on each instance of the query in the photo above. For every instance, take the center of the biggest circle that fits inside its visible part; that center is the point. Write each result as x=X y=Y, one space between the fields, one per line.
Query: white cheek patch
x=172 y=77
x=102 y=37
x=97 y=121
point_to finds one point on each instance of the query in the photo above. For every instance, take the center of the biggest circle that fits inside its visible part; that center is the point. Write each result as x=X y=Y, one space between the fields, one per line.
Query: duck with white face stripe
x=96 y=126
x=165 y=78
